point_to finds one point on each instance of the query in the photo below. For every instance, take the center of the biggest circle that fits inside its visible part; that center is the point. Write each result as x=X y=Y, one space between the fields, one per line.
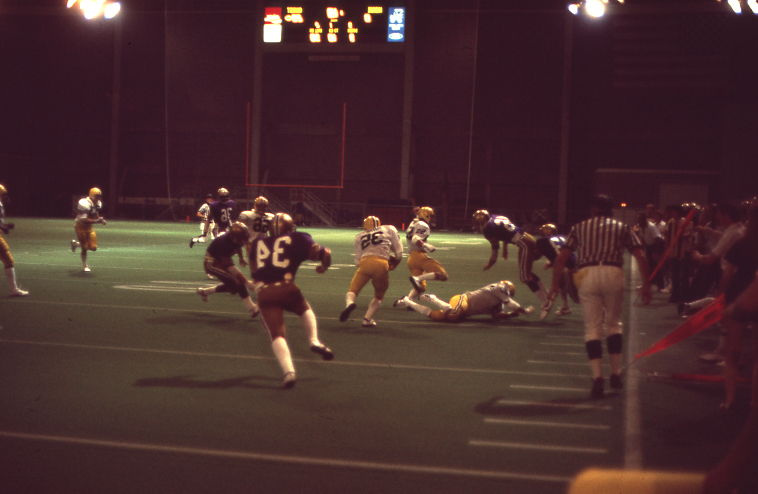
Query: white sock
x=84 y=258
x=372 y=308
x=349 y=298
x=436 y=301
x=541 y=293
x=310 y=326
x=10 y=273
x=426 y=276
x=249 y=303
x=413 y=294
x=282 y=353
x=421 y=309
x=597 y=367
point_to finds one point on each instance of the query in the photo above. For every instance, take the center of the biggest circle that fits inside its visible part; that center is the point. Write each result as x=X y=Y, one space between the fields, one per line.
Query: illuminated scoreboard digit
x=334 y=23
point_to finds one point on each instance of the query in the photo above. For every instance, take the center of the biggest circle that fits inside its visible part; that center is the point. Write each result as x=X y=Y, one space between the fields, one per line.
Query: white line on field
x=287 y=459
x=541 y=423
x=539 y=447
x=583 y=406
x=547 y=388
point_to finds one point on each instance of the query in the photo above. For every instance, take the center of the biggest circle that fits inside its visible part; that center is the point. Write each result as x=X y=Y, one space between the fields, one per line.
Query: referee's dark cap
x=603 y=202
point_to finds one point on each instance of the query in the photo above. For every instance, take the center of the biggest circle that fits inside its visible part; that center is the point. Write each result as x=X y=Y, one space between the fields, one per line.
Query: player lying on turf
x=495 y=299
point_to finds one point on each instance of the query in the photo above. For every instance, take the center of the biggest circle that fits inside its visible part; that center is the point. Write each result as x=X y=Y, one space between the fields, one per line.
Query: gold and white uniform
x=373 y=249
x=87 y=209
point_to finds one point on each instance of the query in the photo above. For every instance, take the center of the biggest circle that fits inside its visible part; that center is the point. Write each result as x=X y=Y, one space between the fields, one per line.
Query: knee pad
x=594 y=349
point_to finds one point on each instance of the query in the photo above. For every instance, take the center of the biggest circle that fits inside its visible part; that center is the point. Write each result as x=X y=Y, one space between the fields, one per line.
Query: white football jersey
x=88 y=209
x=205 y=209
x=486 y=299
x=257 y=224
x=418 y=229
x=379 y=242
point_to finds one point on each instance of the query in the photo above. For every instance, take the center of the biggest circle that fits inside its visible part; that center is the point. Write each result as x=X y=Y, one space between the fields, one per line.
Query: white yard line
x=542 y=423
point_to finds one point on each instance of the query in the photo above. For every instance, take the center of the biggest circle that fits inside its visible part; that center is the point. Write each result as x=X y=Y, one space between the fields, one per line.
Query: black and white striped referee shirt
x=601 y=240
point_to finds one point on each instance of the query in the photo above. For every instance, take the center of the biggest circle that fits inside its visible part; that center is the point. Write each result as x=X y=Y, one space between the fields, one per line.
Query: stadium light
x=92 y=9
x=592 y=8
x=753 y=4
x=735 y=5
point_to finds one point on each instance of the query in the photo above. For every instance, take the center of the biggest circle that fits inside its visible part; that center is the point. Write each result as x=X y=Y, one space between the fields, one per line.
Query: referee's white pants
x=601 y=294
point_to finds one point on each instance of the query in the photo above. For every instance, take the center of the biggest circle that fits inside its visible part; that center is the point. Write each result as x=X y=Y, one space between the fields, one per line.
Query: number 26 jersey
x=380 y=242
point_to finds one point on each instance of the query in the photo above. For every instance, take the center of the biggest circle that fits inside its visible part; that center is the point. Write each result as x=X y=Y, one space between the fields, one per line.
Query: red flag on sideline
x=705 y=317
x=687 y=221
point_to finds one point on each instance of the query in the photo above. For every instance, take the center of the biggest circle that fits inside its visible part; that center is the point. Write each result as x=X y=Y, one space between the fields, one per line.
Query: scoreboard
x=334 y=23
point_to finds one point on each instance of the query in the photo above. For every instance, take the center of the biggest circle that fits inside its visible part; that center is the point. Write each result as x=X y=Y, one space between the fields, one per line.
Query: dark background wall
x=186 y=84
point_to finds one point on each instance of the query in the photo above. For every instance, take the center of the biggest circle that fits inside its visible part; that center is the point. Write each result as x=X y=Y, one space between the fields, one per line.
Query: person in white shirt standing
x=378 y=251
x=88 y=213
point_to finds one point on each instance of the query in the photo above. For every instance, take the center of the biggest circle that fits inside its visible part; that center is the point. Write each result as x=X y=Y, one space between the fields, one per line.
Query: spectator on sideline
x=678 y=246
x=654 y=245
x=202 y=215
x=599 y=243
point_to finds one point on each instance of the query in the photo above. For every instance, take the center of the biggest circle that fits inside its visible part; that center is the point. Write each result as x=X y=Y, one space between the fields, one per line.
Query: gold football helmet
x=548 y=229
x=239 y=232
x=223 y=195
x=481 y=217
x=260 y=205
x=371 y=222
x=95 y=194
x=281 y=224
x=427 y=214
x=508 y=287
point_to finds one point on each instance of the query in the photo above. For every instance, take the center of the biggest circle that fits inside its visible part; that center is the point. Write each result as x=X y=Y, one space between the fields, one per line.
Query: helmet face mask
x=239 y=233
x=223 y=195
x=95 y=194
x=427 y=214
x=281 y=224
x=260 y=205
x=371 y=222
x=481 y=217
x=508 y=287
x=548 y=229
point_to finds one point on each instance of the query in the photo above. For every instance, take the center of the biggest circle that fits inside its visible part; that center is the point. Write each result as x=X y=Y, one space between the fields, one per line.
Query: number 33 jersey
x=379 y=242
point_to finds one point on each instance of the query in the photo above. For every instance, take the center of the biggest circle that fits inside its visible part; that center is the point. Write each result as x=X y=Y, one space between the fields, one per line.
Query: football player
x=219 y=263
x=256 y=220
x=495 y=299
x=549 y=245
x=88 y=213
x=421 y=266
x=5 y=253
x=222 y=212
x=498 y=229
x=378 y=251
x=276 y=259
x=202 y=214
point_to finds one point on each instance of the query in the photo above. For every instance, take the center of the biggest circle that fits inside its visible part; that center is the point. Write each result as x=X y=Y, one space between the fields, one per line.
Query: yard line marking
x=258 y=357
x=560 y=344
x=562 y=336
x=583 y=406
x=540 y=423
x=560 y=353
x=546 y=388
x=274 y=458
x=632 y=415
x=555 y=362
x=539 y=447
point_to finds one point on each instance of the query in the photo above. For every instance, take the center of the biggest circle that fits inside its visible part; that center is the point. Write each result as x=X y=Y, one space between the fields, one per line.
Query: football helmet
x=239 y=232
x=427 y=214
x=371 y=222
x=481 y=217
x=223 y=195
x=508 y=287
x=95 y=194
x=3 y=190
x=281 y=224
x=260 y=205
x=548 y=229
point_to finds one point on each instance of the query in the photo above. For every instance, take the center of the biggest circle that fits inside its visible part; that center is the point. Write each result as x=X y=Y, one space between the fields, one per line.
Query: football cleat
x=192 y=242
x=74 y=245
x=427 y=214
x=481 y=217
x=289 y=380
x=401 y=302
x=371 y=222
x=416 y=284
x=202 y=294
x=322 y=350
x=529 y=310
x=616 y=381
x=19 y=293
x=346 y=313
x=254 y=311
x=368 y=323
x=597 y=388
x=563 y=311
x=260 y=205
x=546 y=309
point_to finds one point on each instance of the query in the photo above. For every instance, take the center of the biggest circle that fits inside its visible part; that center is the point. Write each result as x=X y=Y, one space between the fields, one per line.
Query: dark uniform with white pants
x=599 y=243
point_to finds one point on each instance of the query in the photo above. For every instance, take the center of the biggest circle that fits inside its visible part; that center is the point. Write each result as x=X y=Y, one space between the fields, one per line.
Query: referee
x=599 y=243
